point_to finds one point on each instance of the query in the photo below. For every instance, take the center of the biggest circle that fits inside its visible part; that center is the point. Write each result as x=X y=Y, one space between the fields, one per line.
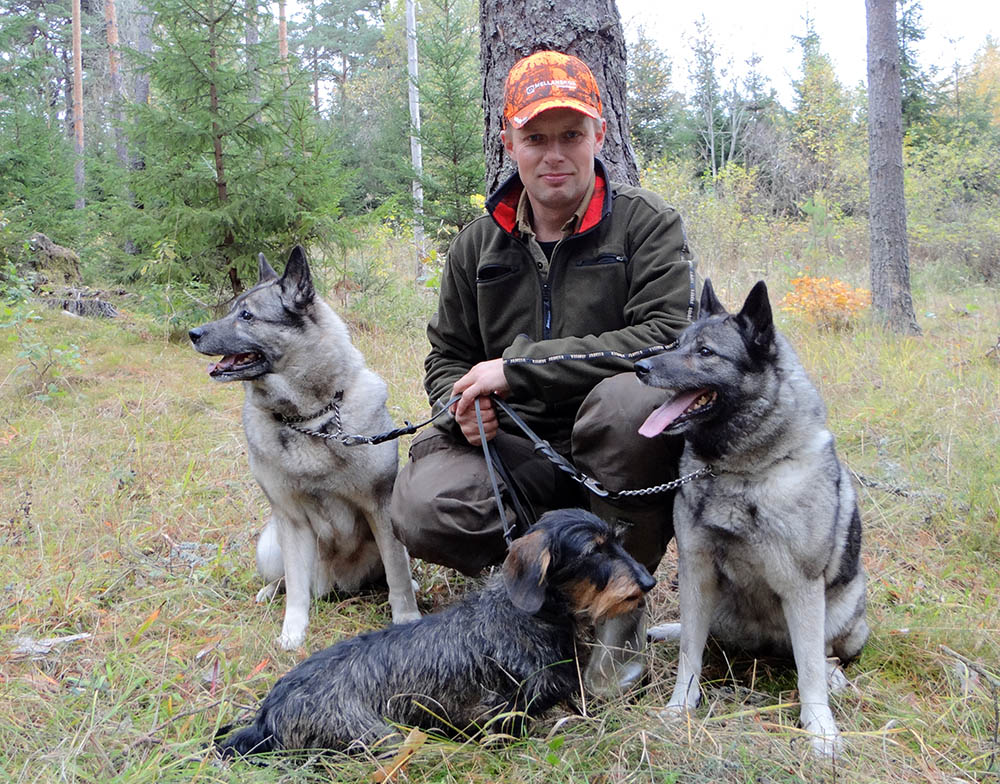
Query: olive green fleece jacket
x=623 y=283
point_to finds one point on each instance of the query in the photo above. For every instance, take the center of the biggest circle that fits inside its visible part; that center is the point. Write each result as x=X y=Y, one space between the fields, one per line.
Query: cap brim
x=532 y=110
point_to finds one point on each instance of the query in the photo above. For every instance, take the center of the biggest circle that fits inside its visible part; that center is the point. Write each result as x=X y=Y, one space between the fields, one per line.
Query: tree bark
x=588 y=29
x=890 y=263
x=114 y=71
x=78 y=173
x=253 y=41
x=416 y=151
x=283 y=39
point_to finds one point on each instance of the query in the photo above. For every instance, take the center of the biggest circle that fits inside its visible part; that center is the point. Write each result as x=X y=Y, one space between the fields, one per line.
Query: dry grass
x=127 y=513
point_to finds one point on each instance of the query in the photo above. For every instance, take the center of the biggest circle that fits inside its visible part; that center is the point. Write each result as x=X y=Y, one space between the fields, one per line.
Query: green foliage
x=451 y=131
x=656 y=118
x=916 y=83
x=953 y=204
x=41 y=361
x=36 y=157
x=15 y=279
x=233 y=161
x=369 y=124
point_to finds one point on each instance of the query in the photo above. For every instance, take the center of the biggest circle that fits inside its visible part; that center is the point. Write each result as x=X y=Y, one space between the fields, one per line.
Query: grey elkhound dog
x=769 y=543
x=329 y=525
x=491 y=661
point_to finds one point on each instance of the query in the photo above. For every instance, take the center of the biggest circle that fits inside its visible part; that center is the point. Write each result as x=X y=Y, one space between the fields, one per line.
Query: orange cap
x=549 y=80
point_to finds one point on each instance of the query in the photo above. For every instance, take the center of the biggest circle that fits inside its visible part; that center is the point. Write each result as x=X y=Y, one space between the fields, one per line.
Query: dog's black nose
x=646 y=581
x=642 y=368
x=195 y=334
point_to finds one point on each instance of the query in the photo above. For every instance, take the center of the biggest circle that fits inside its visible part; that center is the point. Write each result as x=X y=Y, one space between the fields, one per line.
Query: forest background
x=128 y=632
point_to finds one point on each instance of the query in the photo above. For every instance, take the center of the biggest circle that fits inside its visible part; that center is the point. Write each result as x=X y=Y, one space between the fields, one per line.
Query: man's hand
x=480 y=382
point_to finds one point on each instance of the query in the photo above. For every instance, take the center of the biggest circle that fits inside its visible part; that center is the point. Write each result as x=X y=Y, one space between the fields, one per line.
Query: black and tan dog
x=494 y=659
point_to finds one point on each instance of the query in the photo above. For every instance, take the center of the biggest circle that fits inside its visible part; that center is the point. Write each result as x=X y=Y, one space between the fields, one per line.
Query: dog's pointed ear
x=756 y=317
x=297 y=290
x=709 y=305
x=525 y=571
x=265 y=271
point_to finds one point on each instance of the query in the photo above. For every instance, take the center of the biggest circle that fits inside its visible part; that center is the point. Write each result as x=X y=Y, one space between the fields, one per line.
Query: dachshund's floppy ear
x=525 y=571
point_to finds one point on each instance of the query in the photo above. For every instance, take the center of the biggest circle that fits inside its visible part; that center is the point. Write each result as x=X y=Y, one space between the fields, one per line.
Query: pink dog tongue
x=657 y=421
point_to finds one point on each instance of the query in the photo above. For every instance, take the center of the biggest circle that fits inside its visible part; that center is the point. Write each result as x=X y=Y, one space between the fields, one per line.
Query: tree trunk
x=416 y=151
x=283 y=39
x=890 y=263
x=588 y=29
x=253 y=42
x=114 y=70
x=78 y=173
x=314 y=56
x=221 y=186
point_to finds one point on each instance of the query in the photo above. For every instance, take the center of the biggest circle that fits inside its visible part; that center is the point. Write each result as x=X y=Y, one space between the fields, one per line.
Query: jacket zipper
x=546 y=311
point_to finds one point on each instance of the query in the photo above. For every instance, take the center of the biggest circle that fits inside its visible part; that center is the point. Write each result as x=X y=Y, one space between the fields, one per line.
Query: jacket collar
x=502 y=205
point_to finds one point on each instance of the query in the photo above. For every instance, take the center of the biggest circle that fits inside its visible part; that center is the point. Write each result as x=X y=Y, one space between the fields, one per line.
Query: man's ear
x=599 y=134
x=507 y=139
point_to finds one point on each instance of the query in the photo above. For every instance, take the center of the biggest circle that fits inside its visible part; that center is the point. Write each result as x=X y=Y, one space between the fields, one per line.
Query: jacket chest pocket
x=490 y=274
x=603 y=260
x=595 y=295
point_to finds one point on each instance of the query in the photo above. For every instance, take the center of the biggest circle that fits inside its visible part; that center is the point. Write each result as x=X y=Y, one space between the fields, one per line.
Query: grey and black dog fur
x=329 y=526
x=490 y=661
x=769 y=544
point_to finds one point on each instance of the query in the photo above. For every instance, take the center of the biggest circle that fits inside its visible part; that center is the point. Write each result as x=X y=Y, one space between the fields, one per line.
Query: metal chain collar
x=351 y=439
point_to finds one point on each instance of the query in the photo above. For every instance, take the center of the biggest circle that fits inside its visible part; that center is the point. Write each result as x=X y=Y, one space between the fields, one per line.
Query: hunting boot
x=618 y=659
x=607 y=446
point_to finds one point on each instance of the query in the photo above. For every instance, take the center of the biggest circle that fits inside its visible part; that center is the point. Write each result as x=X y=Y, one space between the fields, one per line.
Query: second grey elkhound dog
x=329 y=526
x=769 y=543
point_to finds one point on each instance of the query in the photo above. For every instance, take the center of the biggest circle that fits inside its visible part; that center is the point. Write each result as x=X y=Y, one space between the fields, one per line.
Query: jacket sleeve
x=453 y=330
x=659 y=304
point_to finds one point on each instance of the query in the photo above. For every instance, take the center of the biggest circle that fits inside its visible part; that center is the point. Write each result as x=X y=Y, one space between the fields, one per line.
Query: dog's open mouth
x=677 y=410
x=248 y=365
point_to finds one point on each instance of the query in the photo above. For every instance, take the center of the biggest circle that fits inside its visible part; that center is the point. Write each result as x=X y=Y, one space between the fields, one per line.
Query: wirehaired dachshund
x=492 y=661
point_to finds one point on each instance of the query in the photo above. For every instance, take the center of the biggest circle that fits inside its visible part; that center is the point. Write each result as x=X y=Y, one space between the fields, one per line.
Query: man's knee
x=608 y=447
x=606 y=440
x=442 y=508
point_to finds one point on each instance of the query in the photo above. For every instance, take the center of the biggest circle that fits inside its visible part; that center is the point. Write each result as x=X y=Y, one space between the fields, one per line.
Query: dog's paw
x=827 y=745
x=289 y=641
x=836 y=680
x=664 y=632
x=405 y=616
x=674 y=713
x=824 y=737
x=269 y=591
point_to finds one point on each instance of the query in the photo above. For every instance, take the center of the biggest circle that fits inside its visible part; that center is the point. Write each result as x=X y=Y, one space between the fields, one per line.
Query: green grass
x=128 y=513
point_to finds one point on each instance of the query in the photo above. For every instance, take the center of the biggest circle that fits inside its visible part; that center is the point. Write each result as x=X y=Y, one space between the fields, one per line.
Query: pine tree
x=654 y=106
x=452 y=121
x=225 y=175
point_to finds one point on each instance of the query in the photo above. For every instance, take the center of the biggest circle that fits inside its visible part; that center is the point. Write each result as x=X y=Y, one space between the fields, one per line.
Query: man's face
x=554 y=152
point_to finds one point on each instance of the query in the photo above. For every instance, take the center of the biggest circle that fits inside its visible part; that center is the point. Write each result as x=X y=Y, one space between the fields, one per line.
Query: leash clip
x=594 y=486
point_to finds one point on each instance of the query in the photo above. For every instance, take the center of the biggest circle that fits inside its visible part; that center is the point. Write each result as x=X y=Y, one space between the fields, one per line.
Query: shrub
x=826 y=302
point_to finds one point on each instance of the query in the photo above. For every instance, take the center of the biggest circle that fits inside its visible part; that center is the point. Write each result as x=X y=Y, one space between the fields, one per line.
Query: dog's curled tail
x=249 y=740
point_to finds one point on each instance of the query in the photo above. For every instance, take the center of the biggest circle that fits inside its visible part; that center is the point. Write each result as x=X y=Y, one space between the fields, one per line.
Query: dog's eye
x=705 y=351
x=246 y=315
